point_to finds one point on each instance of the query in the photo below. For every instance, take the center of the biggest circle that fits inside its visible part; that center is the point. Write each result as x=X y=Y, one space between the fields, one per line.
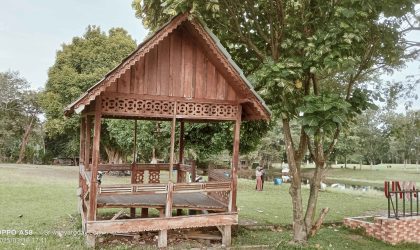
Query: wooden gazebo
x=181 y=74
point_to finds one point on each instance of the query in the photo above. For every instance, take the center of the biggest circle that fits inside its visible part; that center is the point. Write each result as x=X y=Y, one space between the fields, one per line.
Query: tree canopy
x=311 y=60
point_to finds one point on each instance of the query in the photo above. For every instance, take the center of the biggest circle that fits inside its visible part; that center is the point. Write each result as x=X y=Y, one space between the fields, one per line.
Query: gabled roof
x=213 y=45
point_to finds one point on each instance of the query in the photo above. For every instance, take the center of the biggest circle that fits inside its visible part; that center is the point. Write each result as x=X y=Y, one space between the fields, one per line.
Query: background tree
x=77 y=67
x=19 y=112
x=308 y=59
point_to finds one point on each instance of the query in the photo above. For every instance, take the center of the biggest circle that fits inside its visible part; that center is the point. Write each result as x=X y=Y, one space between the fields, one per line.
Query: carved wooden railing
x=133 y=189
x=220 y=176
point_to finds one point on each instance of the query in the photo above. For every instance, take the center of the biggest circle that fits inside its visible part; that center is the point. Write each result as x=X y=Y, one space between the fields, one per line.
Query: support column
x=181 y=159
x=171 y=163
x=88 y=127
x=162 y=234
x=80 y=190
x=235 y=160
x=95 y=162
x=133 y=209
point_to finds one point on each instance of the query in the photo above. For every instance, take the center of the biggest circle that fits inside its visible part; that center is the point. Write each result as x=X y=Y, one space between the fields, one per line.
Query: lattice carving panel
x=154 y=176
x=222 y=196
x=138 y=176
x=137 y=106
x=165 y=108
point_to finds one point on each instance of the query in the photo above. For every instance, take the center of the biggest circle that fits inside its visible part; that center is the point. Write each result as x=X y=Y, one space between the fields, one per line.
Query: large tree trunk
x=25 y=140
x=113 y=155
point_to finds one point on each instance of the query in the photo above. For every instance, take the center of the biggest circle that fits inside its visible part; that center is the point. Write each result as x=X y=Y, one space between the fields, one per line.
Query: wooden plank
x=200 y=75
x=112 y=87
x=124 y=83
x=211 y=81
x=175 y=85
x=151 y=72
x=95 y=161
x=221 y=87
x=117 y=214
x=132 y=78
x=164 y=66
x=188 y=64
x=235 y=161
x=140 y=74
x=156 y=224
x=230 y=95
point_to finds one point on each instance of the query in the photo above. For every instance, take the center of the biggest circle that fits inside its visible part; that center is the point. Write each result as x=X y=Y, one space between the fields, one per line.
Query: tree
x=308 y=59
x=77 y=67
x=18 y=116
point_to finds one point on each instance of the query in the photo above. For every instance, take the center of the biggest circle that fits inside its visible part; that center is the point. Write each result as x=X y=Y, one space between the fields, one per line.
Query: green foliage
x=17 y=107
x=78 y=66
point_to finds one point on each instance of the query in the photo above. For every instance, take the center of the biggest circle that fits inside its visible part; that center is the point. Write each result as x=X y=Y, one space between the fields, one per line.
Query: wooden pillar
x=235 y=160
x=163 y=234
x=82 y=140
x=193 y=171
x=95 y=162
x=171 y=164
x=88 y=124
x=181 y=142
x=144 y=212
x=226 y=235
x=133 y=209
x=80 y=191
x=181 y=159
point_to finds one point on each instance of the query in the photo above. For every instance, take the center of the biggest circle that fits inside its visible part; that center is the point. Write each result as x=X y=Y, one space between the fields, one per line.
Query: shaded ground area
x=43 y=199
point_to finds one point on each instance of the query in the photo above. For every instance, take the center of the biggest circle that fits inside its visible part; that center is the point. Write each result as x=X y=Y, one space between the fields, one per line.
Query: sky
x=32 y=31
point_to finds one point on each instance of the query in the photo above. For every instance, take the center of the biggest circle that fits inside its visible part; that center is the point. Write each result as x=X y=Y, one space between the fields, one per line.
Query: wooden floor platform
x=196 y=201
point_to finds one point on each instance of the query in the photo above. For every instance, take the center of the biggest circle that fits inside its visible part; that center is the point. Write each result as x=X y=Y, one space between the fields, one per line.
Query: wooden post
x=193 y=171
x=235 y=160
x=88 y=124
x=81 y=162
x=226 y=235
x=144 y=212
x=181 y=159
x=163 y=234
x=82 y=140
x=171 y=164
x=133 y=209
x=181 y=143
x=95 y=162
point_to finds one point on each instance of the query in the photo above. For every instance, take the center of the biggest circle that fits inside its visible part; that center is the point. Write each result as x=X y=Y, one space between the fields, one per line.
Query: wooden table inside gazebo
x=180 y=74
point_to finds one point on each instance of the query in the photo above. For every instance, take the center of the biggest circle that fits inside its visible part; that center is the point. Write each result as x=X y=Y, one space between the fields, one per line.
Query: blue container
x=277 y=181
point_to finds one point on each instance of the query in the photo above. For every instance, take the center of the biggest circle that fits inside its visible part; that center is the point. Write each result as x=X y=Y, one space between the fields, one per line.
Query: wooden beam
x=235 y=160
x=95 y=161
x=156 y=224
x=171 y=163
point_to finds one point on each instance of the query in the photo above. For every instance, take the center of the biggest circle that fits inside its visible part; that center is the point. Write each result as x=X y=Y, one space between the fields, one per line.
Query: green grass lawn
x=43 y=199
x=372 y=176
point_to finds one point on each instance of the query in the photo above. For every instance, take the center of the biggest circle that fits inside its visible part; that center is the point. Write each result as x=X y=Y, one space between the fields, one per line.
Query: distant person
x=262 y=177
x=258 y=174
